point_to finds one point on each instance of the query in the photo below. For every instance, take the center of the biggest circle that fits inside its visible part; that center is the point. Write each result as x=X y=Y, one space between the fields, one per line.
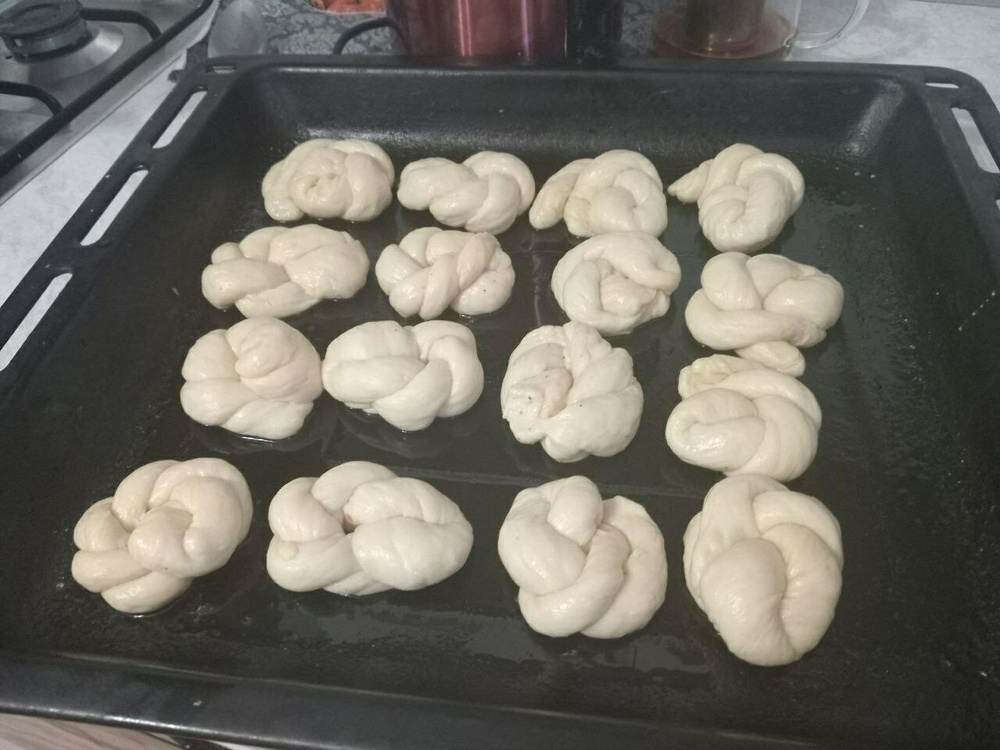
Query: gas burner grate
x=71 y=62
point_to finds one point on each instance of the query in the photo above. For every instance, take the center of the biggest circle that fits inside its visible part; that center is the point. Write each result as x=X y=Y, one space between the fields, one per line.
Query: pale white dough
x=329 y=179
x=408 y=376
x=432 y=269
x=763 y=308
x=583 y=565
x=739 y=417
x=616 y=282
x=619 y=191
x=744 y=197
x=280 y=271
x=764 y=564
x=485 y=193
x=567 y=388
x=167 y=523
x=258 y=378
x=359 y=529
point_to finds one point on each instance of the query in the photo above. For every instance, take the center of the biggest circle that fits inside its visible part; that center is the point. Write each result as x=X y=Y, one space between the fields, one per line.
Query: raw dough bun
x=619 y=191
x=408 y=376
x=616 y=282
x=485 y=193
x=432 y=269
x=744 y=197
x=359 y=529
x=329 y=179
x=258 y=378
x=167 y=523
x=278 y=271
x=583 y=565
x=739 y=417
x=568 y=389
x=763 y=308
x=764 y=564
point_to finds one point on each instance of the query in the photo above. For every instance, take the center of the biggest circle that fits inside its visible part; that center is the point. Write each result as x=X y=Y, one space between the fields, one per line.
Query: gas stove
x=65 y=64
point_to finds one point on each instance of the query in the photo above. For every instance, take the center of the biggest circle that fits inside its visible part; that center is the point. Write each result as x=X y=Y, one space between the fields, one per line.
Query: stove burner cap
x=41 y=28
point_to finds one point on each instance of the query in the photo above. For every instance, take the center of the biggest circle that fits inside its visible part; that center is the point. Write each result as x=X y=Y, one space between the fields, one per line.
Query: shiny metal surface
x=468 y=28
x=47 y=104
x=65 y=77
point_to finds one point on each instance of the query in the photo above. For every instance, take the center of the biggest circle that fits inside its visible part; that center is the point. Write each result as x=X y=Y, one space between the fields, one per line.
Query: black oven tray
x=896 y=207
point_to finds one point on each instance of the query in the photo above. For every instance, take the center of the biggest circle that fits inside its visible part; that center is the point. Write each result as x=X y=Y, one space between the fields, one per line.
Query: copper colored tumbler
x=468 y=28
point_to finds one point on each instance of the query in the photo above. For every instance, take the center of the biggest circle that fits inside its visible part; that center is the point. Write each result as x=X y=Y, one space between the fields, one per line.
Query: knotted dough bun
x=763 y=308
x=568 y=389
x=280 y=271
x=744 y=197
x=258 y=378
x=408 y=376
x=167 y=523
x=329 y=179
x=359 y=529
x=619 y=191
x=583 y=565
x=739 y=417
x=432 y=269
x=485 y=193
x=616 y=282
x=764 y=564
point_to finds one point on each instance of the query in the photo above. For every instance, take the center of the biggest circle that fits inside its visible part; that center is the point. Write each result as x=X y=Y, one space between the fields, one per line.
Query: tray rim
x=49 y=684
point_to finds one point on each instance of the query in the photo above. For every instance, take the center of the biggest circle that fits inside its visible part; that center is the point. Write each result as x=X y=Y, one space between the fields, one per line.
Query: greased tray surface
x=895 y=208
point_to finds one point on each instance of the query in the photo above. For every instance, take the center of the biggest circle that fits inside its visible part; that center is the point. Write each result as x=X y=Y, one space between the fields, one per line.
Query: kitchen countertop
x=894 y=31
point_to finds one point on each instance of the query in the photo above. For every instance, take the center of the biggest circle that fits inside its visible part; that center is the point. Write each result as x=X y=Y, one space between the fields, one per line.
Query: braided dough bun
x=167 y=523
x=583 y=565
x=359 y=529
x=329 y=179
x=616 y=282
x=739 y=417
x=619 y=191
x=408 y=376
x=764 y=564
x=432 y=269
x=763 y=308
x=258 y=378
x=568 y=389
x=485 y=193
x=744 y=197
x=277 y=271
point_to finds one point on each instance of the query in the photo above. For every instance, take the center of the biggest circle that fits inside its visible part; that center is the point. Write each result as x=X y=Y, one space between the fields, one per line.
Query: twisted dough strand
x=744 y=197
x=485 y=193
x=167 y=523
x=764 y=564
x=432 y=269
x=278 y=272
x=619 y=191
x=258 y=378
x=616 y=282
x=408 y=376
x=568 y=389
x=359 y=529
x=740 y=417
x=328 y=179
x=764 y=308
x=583 y=565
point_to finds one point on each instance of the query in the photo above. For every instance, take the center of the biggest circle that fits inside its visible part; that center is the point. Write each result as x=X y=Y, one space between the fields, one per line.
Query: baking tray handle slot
x=114 y=206
x=181 y=116
x=23 y=311
x=974 y=137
